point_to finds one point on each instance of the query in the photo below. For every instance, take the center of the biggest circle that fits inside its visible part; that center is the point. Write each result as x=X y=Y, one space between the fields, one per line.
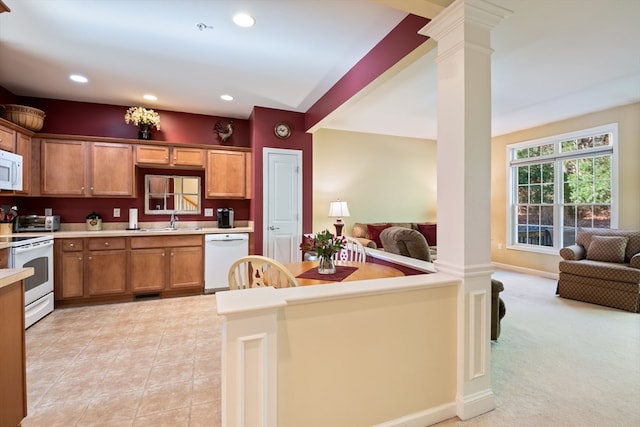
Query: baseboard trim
x=475 y=404
x=423 y=418
x=524 y=270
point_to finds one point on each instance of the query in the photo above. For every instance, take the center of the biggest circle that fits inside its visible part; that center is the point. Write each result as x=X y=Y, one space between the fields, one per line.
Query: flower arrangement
x=141 y=116
x=324 y=244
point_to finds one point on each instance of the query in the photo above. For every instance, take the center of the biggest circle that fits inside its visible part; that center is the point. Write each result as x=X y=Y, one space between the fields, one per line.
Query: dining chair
x=353 y=251
x=256 y=271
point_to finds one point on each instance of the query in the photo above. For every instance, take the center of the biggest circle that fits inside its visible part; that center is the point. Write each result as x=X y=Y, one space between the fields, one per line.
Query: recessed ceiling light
x=244 y=20
x=226 y=97
x=78 y=78
x=150 y=97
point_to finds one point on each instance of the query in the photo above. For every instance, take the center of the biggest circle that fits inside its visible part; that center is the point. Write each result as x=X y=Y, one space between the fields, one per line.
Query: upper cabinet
x=88 y=169
x=228 y=174
x=169 y=156
x=7 y=138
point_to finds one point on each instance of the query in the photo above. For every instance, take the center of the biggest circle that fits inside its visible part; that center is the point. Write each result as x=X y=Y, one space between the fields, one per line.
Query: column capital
x=479 y=13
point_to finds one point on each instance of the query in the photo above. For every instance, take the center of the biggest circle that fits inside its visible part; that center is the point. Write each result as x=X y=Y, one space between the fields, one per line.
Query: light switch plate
x=116 y=212
x=208 y=212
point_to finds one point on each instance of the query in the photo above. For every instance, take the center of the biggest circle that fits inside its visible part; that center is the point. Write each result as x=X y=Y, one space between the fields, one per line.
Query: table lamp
x=338 y=209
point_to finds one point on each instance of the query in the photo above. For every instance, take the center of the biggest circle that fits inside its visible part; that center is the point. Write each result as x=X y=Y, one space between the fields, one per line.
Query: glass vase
x=327 y=265
x=144 y=131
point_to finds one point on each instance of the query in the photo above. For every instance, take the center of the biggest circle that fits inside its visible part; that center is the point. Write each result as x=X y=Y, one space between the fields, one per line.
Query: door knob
x=271 y=227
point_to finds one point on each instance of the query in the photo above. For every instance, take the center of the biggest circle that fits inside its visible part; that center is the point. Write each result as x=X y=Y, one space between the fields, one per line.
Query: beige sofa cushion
x=585 y=235
x=607 y=248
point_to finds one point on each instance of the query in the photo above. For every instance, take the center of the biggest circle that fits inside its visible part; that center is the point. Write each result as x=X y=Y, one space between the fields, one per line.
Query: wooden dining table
x=363 y=271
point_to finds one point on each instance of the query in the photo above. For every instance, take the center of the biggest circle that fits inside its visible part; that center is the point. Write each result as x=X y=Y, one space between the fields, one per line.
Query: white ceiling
x=553 y=59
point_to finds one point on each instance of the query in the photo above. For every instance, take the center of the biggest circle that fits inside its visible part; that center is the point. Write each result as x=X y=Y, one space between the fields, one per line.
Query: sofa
x=406 y=242
x=369 y=233
x=602 y=267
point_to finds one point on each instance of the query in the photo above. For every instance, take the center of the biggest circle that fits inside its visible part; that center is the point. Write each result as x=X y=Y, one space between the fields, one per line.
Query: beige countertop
x=117 y=229
x=13 y=275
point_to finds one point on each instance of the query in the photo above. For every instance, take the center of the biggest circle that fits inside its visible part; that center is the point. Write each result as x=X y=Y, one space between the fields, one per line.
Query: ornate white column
x=464 y=185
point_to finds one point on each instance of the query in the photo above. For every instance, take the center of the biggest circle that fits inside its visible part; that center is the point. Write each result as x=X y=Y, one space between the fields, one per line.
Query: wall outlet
x=499 y=246
x=116 y=212
x=208 y=212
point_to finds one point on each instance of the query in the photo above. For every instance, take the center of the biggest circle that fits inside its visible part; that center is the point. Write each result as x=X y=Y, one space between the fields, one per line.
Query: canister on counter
x=94 y=222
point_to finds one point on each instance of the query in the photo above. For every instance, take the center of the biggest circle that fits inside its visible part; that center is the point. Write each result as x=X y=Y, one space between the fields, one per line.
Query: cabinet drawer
x=72 y=245
x=164 y=242
x=107 y=243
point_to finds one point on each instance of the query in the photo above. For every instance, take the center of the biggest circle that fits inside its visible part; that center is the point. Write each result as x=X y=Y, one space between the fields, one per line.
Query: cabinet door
x=153 y=155
x=72 y=283
x=187 y=157
x=186 y=267
x=64 y=167
x=7 y=139
x=106 y=272
x=112 y=169
x=4 y=258
x=226 y=174
x=148 y=270
x=23 y=147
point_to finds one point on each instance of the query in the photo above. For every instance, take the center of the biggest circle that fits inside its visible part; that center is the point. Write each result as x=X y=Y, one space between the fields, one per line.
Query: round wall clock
x=282 y=130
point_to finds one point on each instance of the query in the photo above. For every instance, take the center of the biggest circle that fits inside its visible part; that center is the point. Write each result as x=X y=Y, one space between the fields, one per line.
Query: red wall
x=263 y=121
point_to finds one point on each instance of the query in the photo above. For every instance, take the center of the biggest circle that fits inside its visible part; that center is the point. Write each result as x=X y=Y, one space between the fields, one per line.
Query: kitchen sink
x=169 y=229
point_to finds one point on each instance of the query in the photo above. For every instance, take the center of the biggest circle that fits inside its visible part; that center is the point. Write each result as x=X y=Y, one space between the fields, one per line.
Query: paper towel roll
x=133 y=218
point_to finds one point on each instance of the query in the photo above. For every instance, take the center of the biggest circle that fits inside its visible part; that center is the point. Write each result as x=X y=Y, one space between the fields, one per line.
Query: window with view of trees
x=561 y=183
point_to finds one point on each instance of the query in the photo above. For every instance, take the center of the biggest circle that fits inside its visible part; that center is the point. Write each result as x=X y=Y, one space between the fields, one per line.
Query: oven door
x=40 y=257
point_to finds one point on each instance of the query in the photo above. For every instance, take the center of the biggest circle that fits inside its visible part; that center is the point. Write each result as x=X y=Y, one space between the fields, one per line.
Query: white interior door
x=282 y=208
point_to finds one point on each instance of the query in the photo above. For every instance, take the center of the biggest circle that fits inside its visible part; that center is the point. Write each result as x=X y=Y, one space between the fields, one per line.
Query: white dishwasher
x=220 y=251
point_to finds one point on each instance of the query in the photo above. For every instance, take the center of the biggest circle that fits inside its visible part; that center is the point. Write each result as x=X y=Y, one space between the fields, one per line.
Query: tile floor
x=144 y=363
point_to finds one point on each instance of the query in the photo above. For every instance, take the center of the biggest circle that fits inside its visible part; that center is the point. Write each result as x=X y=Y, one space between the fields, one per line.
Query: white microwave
x=10 y=171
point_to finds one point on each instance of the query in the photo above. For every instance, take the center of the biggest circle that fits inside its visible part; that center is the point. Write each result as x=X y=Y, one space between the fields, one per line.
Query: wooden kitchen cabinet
x=228 y=174
x=112 y=170
x=4 y=258
x=170 y=263
x=90 y=168
x=13 y=383
x=64 y=168
x=23 y=147
x=107 y=265
x=148 y=269
x=7 y=138
x=69 y=271
x=169 y=156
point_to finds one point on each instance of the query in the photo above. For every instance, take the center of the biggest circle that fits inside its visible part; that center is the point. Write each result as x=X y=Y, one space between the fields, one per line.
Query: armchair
x=603 y=267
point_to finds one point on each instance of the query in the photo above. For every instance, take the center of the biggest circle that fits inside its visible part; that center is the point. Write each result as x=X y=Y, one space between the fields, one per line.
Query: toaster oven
x=31 y=223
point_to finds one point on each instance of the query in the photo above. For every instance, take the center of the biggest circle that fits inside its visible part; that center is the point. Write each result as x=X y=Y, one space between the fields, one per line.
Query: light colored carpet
x=560 y=362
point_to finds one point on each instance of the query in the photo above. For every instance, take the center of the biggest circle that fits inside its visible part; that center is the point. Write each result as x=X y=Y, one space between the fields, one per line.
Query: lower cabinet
x=13 y=385
x=103 y=269
x=169 y=263
x=106 y=266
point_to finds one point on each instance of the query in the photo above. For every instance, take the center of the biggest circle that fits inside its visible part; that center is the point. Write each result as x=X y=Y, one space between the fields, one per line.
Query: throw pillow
x=374 y=232
x=430 y=232
x=607 y=248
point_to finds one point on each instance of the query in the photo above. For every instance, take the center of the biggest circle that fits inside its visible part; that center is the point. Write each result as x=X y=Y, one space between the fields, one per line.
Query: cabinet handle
x=82 y=188
x=90 y=258
x=106 y=243
x=70 y=245
x=91 y=188
x=79 y=258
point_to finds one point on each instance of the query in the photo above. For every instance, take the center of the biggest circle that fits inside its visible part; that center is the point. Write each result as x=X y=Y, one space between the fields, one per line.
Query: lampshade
x=338 y=209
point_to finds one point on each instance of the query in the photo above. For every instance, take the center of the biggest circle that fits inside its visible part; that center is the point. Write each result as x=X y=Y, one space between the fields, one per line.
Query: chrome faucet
x=172 y=221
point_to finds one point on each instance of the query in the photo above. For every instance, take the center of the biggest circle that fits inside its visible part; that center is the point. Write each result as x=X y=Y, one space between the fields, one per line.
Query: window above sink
x=166 y=194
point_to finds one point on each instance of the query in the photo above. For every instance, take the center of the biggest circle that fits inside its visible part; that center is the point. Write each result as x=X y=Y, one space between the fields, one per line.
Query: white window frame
x=512 y=195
